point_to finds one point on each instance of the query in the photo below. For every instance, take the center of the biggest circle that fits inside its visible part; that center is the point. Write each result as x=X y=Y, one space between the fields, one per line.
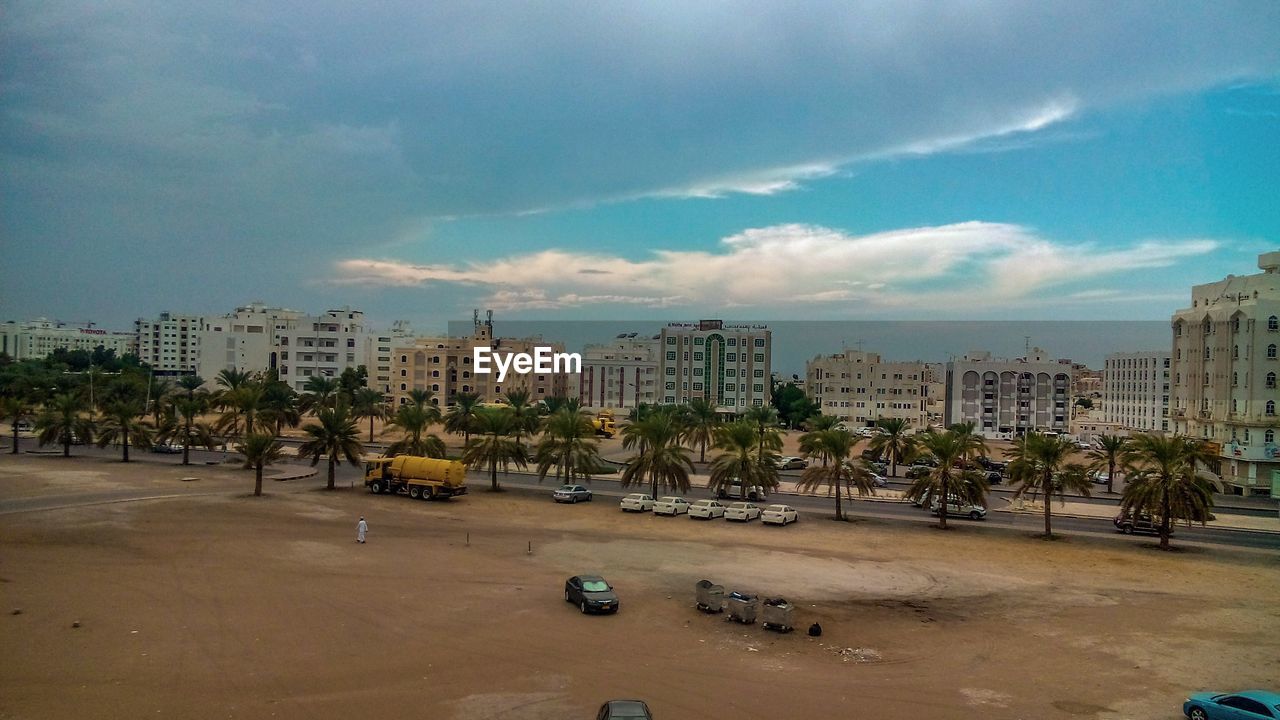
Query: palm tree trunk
x=66 y=446
x=125 y=443
x=942 y=505
x=839 y=512
x=1164 y=523
x=702 y=455
x=331 y=471
x=1048 y=521
x=493 y=475
x=370 y=428
x=1111 y=473
x=15 y=438
x=257 y=480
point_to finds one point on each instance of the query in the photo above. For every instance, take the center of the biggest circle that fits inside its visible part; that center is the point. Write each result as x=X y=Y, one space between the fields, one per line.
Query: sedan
x=571 y=494
x=743 y=511
x=167 y=449
x=591 y=594
x=624 y=710
x=779 y=515
x=791 y=463
x=636 y=502
x=959 y=508
x=1249 y=704
x=879 y=480
x=670 y=506
x=706 y=509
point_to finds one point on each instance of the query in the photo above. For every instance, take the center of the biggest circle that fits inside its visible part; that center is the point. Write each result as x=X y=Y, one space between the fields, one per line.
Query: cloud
x=972 y=264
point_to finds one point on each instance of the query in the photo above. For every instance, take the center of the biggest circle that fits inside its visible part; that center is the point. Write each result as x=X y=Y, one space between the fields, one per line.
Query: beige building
x=727 y=364
x=36 y=339
x=1225 y=365
x=1006 y=398
x=620 y=374
x=1135 y=390
x=444 y=366
x=170 y=344
x=860 y=388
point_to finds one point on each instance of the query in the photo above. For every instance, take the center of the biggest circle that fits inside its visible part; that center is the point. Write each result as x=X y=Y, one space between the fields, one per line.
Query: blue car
x=1247 y=705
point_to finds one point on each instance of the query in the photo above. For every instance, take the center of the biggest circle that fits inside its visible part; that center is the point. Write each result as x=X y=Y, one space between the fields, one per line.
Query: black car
x=624 y=710
x=994 y=478
x=591 y=594
x=1129 y=524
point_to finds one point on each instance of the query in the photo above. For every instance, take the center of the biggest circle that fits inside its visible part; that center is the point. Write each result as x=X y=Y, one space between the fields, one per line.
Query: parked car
x=624 y=710
x=1236 y=706
x=706 y=509
x=791 y=463
x=1130 y=523
x=779 y=515
x=670 y=506
x=571 y=494
x=1100 y=478
x=958 y=508
x=591 y=594
x=879 y=480
x=755 y=492
x=1083 y=445
x=743 y=511
x=636 y=502
x=23 y=426
x=918 y=471
x=994 y=478
x=166 y=448
x=878 y=467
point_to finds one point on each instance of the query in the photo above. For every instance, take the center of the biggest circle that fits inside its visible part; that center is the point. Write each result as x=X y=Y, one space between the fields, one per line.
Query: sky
x=606 y=161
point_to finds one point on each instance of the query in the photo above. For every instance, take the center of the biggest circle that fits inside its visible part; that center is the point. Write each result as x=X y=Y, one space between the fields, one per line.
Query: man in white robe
x=361 y=528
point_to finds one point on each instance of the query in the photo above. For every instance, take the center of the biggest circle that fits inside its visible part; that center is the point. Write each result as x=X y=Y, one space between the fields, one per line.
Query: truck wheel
x=415 y=492
x=375 y=487
x=428 y=493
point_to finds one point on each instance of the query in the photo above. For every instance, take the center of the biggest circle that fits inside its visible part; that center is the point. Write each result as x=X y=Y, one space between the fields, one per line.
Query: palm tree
x=743 y=460
x=461 y=418
x=189 y=384
x=244 y=407
x=527 y=415
x=420 y=396
x=122 y=420
x=821 y=422
x=1039 y=465
x=494 y=444
x=1162 y=481
x=232 y=379
x=333 y=436
x=61 y=421
x=661 y=459
x=259 y=449
x=414 y=419
x=569 y=445
x=1111 y=451
x=15 y=409
x=369 y=403
x=556 y=403
x=894 y=444
x=319 y=392
x=700 y=423
x=951 y=478
x=765 y=420
x=183 y=423
x=280 y=403
x=842 y=470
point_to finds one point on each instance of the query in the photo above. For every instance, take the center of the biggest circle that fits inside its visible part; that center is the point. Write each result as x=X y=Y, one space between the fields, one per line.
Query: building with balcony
x=1135 y=390
x=1224 y=366
x=620 y=374
x=37 y=339
x=728 y=365
x=321 y=346
x=1007 y=398
x=244 y=340
x=860 y=388
x=170 y=344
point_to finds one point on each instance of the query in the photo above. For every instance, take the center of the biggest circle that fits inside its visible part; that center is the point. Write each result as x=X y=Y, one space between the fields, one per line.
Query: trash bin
x=743 y=607
x=710 y=597
x=778 y=615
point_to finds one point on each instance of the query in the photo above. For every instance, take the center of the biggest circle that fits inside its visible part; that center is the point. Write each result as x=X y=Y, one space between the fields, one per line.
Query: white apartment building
x=323 y=345
x=1006 y=398
x=1225 y=365
x=244 y=340
x=860 y=388
x=36 y=339
x=728 y=365
x=620 y=374
x=1135 y=390
x=170 y=344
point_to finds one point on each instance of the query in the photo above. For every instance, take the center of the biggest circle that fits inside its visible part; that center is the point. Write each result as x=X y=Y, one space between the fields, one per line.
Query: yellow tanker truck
x=421 y=478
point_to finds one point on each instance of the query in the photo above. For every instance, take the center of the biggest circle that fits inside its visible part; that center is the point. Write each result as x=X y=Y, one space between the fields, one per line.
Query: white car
x=958 y=508
x=670 y=506
x=743 y=511
x=878 y=480
x=791 y=463
x=779 y=515
x=706 y=509
x=636 y=502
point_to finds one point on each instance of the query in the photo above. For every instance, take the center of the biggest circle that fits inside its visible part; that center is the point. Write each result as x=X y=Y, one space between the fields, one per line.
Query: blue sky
x=857 y=160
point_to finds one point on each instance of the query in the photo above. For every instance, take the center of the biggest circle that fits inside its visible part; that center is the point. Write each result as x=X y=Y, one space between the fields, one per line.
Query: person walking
x=361 y=528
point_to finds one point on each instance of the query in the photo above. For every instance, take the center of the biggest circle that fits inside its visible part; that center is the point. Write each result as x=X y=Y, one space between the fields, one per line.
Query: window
x=759 y=357
x=760 y=341
x=733 y=342
x=758 y=373
x=671 y=371
x=1243 y=703
x=671 y=340
x=670 y=386
x=1273 y=323
x=1271 y=407
x=671 y=354
x=1269 y=436
x=697 y=341
x=731 y=357
x=1271 y=352
x=1271 y=380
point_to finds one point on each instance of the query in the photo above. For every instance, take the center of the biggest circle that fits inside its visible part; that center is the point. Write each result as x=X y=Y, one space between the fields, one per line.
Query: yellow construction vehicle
x=605 y=424
x=421 y=478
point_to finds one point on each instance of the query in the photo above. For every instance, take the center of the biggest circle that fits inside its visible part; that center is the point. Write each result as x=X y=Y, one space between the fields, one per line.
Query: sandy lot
x=240 y=607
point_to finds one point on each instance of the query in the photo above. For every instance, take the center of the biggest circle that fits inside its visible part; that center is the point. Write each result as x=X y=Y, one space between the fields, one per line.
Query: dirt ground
x=241 y=607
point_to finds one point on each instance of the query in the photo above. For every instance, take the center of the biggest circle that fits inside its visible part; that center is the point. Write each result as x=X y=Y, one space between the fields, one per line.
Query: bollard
x=468 y=539
x=530 y=547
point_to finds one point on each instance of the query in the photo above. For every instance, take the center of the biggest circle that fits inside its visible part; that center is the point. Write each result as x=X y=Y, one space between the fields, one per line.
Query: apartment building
x=727 y=364
x=1135 y=390
x=1224 y=366
x=37 y=339
x=170 y=344
x=245 y=340
x=322 y=345
x=621 y=374
x=1006 y=398
x=860 y=388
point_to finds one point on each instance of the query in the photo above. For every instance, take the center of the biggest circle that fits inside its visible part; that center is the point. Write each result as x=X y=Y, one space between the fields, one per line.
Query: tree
x=556 y=403
x=333 y=436
x=319 y=392
x=661 y=459
x=369 y=403
x=352 y=380
x=894 y=443
x=15 y=409
x=260 y=449
x=1162 y=481
x=821 y=422
x=1111 y=451
x=1084 y=402
x=765 y=420
x=414 y=420
x=743 y=460
x=62 y=422
x=792 y=405
x=839 y=469
x=526 y=414
x=122 y=420
x=231 y=379
x=494 y=444
x=182 y=423
x=569 y=445
x=951 y=478
x=280 y=403
x=700 y=421
x=1038 y=464
x=461 y=418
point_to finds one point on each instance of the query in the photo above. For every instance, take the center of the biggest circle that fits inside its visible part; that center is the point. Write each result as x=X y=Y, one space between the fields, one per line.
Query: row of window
x=731 y=342
x=729 y=372
x=1273 y=324
x=671 y=399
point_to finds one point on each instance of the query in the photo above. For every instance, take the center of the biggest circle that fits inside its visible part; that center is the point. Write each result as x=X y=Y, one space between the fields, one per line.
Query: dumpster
x=743 y=607
x=778 y=614
x=710 y=596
